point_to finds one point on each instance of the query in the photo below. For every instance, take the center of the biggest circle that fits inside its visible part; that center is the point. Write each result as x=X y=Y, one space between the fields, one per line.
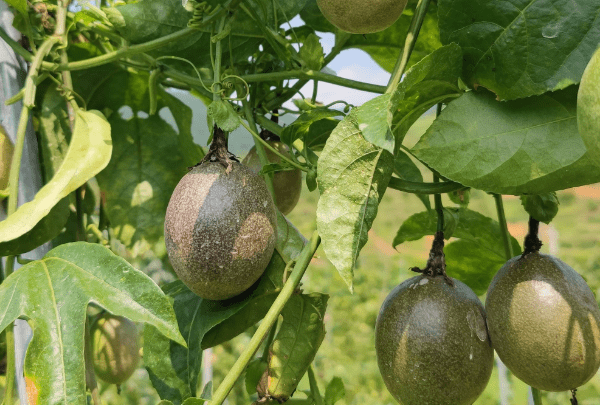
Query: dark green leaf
x=313 y=17
x=296 y=343
x=255 y=370
x=222 y=114
x=53 y=294
x=385 y=46
x=406 y=169
x=173 y=369
x=319 y=132
x=311 y=180
x=353 y=175
x=472 y=264
x=523 y=48
x=335 y=391
x=542 y=207
x=89 y=152
x=312 y=52
x=300 y=128
x=528 y=146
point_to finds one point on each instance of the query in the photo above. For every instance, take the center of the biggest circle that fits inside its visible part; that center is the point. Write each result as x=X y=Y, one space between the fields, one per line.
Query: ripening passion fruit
x=588 y=107
x=287 y=184
x=115 y=348
x=220 y=229
x=544 y=322
x=432 y=343
x=362 y=16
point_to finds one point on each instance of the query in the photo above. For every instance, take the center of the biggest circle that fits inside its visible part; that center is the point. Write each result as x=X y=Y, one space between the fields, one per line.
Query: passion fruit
x=287 y=184
x=432 y=343
x=362 y=16
x=115 y=348
x=220 y=229
x=544 y=322
x=588 y=107
x=6 y=152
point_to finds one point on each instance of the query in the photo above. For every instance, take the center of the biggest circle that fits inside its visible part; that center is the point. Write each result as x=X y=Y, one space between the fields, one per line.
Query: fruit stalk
x=286 y=292
x=535 y=393
x=532 y=241
x=409 y=45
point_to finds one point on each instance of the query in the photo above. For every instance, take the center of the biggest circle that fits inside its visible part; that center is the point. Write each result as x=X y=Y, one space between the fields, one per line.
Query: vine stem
x=260 y=150
x=409 y=45
x=286 y=293
x=314 y=387
x=508 y=251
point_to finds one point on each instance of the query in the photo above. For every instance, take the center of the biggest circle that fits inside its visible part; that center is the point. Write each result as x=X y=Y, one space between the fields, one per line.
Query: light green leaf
x=222 y=114
x=89 y=152
x=311 y=52
x=588 y=107
x=296 y=344
x=19 y=5
x=542 y=207
x=335 y=391
x=53 y=294
x=353 y=175
x=528 y=146
x=522 y=48
x=374 y=120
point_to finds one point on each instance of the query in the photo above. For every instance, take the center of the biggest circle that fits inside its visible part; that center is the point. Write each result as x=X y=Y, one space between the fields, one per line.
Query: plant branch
x=409 y=45
x=438 y=206
x=268 y=342
x=286 y=293
x=508 y=250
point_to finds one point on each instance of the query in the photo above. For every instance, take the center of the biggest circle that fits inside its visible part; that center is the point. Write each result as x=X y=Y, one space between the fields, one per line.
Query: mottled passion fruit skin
x=362 y=16
x=432 y=343
x=220 y=230
x=544 y=322
x=116 y=353
x=287 y=184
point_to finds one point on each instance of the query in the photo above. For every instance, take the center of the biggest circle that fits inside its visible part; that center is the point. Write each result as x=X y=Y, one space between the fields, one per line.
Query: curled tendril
x=68 y=94
x=190 y=63
x=200 y=10
x=229 y=85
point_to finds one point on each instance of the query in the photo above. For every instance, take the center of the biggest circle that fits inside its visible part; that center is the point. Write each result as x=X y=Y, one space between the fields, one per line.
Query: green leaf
x=19 y=5
x=255 y=370
x=460 y=197
x=353 y=175
x=528 y=146
x=434 y=79
x=89 y=152
x=222 y=114
x=385 y=46
x=588 y=107
x=312 y=53
x=542 y=207
x=173 y=369
x=374 y=119
x=523 y=48
x=53 y=294
x=301 y=127
x=406 y=169
x=319 y=132
x=296 y=344
x=476 y=256
x=335 y=391
x=311 y=180
x=313 y=17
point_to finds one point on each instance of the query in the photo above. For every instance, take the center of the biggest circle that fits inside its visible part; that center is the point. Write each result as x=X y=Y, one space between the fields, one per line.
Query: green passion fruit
x=588 y=107
x=432 y=343
x=220 y=229
x=544 y=322
x=287 y=184
x=362 y=16
x=115 y=348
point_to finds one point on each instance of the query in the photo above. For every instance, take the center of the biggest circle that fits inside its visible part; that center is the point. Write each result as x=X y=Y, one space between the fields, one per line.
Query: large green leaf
x=174 y=369
x=19 y=5
x=476 y=256
x=313 y=17
x=523 y=47
x=353 y=175
x=53 y=294
x=406 y=169
x=301 y=128
x=296 y=344
x=89 y=152
x=528 y=146
x=588 y=107
x=385 y=46
x=149 y=158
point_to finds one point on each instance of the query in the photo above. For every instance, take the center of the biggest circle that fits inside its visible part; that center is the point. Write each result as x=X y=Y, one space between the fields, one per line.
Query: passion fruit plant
x=505 y=79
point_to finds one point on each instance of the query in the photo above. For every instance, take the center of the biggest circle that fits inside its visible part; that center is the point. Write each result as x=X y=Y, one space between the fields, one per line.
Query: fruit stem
x=314 y=387
x=268 y=342
x=409 y=45
x=537 y=396
x=260 y=150
x=218 y=151
x=438 y=206
x=286 y=293
x=508 y=250
x=532 y=241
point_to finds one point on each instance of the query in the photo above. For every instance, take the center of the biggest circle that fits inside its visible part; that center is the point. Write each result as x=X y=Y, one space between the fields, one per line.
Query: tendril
x=229 y=85
x=199 y=10
x=190 y=63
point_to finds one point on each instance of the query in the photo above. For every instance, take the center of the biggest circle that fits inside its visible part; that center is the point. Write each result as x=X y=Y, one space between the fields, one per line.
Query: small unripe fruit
x=362 y=16
x=432 y=343
x=544 y=322
x=115 y=348
x=287 y=184
x=220 y=229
